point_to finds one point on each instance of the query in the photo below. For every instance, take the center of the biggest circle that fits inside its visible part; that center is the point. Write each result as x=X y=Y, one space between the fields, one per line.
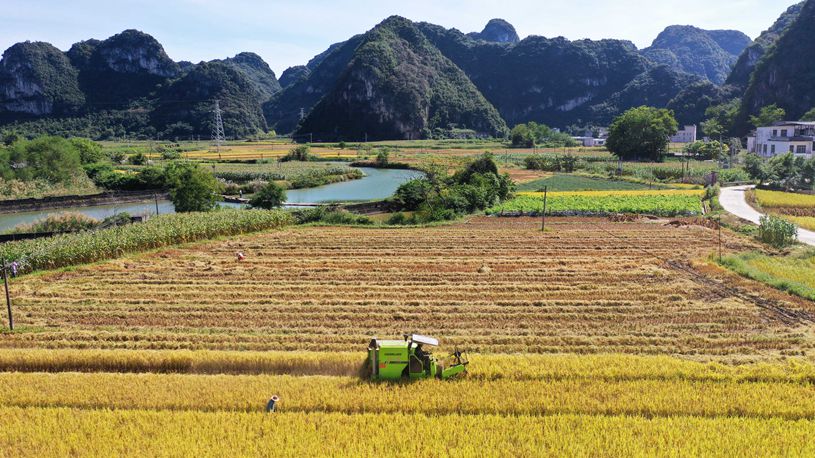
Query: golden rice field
x=509 y=405
x=590 y=339
x=255 y=151
x=806 y=222
x=796 y=208
x=778 y=199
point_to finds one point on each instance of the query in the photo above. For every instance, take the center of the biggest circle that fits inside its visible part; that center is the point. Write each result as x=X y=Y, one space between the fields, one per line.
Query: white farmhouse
x=795 y=137
x=686 y=135
x=590 y=141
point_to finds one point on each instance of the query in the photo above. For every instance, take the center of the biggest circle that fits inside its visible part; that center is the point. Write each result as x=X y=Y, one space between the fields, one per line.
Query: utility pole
x=156 y=197
x=720 y=239
x=8 y=296
x=543 y=222
x=217 y=129
x=302 y=113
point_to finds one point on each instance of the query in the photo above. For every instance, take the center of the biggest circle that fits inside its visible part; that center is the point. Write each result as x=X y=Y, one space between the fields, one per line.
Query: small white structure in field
x=686 y=135
x=590 y=141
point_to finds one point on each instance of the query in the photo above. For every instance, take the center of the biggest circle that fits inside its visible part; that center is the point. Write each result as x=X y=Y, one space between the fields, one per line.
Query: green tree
x=298 y=153
x=54 y=159
x=704 y=150
x=411 y=194
x=809 y=115
x=768 y=115
x=192 y=189
x=754 y=166
x=522 y=137
x=89 y=151
x=270 y=196
x=642 y=133
x=531 y=134
x=720 y=119
x=383 y=157
x=713 y=128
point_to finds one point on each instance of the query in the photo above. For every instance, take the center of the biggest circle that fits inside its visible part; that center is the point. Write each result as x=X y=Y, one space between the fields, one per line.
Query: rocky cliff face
x=497 y=31
x=710 y=54
x=133 y=51
x=38 y=79
x=786 y=74
x=122 y=68
x=655 y=87
x=283 y=111
x=747 y=61
x=399 y=86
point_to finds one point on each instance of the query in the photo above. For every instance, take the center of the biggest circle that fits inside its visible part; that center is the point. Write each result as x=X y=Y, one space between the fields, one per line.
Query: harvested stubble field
x=108 y=357
x=585 y=286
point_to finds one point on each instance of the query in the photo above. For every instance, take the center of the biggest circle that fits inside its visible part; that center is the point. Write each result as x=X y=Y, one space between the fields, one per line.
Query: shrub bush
x=61 y=222
x=137 y=159
x=777 y=232
x=298 y=153
x=269 y=197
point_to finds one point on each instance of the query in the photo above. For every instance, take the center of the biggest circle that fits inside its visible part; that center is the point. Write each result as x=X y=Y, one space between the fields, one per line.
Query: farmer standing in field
x=271 y=406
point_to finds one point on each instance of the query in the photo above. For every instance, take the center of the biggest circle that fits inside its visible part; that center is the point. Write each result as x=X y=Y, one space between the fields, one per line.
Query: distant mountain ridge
x=398 y=85
x=497 y=31
x=710 y=54
x=402 y=79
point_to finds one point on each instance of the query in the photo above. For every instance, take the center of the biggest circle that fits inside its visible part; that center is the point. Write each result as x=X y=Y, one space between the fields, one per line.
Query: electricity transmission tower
x=218 y=129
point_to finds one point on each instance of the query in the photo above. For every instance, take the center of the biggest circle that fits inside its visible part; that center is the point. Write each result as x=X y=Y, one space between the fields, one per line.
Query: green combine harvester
x=408 y=359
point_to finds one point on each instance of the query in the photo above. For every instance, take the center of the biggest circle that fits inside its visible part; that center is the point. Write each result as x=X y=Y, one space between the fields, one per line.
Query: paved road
x=733 y=200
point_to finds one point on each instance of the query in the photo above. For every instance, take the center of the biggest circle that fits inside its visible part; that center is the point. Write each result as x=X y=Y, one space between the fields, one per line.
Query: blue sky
x=289 y=32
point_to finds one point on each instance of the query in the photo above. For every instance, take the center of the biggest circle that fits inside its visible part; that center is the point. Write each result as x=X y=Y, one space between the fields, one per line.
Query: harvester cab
x=411 y=358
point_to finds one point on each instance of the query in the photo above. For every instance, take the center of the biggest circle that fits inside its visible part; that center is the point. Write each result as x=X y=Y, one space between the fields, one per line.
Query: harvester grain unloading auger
x=408 y=359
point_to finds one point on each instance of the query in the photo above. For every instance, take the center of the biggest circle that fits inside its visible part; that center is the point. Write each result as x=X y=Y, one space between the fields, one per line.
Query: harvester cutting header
x=409 y=359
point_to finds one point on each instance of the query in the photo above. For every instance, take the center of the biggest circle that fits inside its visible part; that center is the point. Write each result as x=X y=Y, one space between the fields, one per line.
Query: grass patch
x=794 y=274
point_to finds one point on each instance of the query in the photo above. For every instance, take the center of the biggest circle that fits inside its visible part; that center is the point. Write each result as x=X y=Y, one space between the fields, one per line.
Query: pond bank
x=378 y=184
x=62 y=202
